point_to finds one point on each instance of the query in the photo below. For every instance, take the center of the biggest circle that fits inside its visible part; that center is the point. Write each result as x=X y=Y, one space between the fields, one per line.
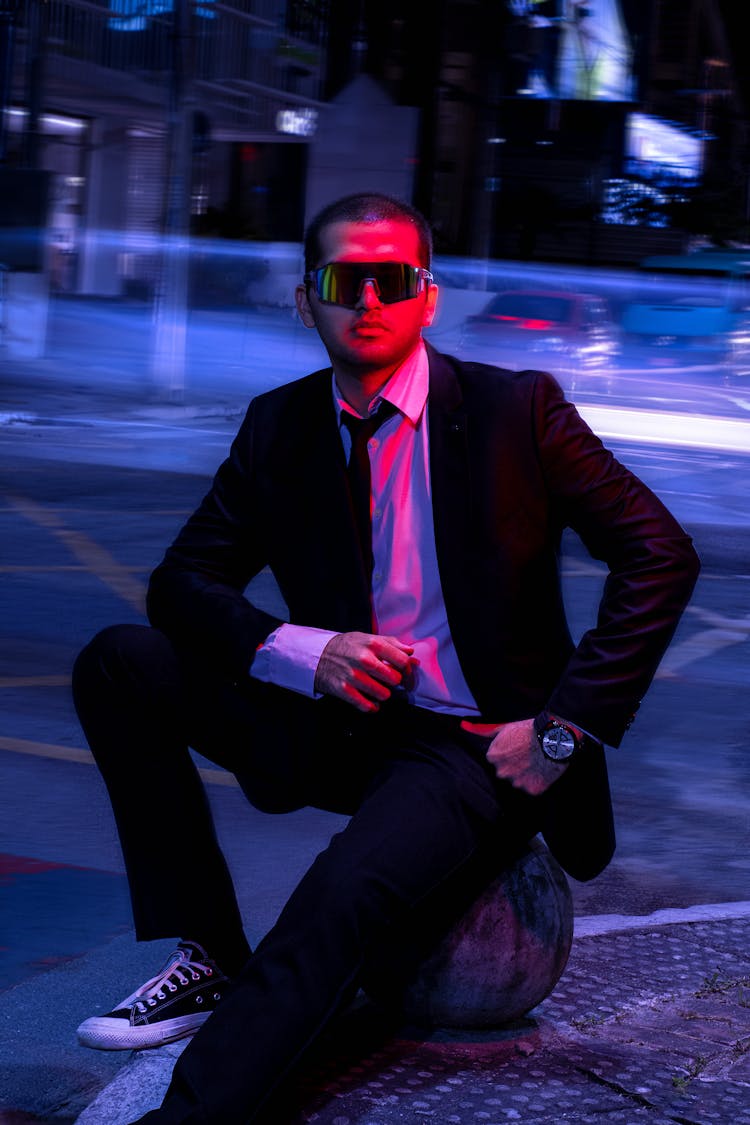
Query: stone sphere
x=500 y=959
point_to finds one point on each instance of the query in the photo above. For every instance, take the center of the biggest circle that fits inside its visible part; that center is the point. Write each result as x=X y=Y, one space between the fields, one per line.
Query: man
x=426 y=682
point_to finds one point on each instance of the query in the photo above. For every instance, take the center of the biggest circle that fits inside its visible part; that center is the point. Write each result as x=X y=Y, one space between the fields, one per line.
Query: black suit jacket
x=512 y=464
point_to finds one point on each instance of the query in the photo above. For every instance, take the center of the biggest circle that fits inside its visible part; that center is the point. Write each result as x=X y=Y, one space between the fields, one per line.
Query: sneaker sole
x=116 y=1035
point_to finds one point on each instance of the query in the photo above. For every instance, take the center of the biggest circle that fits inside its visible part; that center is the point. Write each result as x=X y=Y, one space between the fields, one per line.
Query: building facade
x=161 y=116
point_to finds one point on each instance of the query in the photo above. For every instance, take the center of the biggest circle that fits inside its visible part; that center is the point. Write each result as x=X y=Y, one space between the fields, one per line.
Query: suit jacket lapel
x=318 y=484
x=454 y=511
x=449 y=463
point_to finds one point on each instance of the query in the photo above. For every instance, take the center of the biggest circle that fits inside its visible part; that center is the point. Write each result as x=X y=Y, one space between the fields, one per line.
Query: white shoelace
x=178 y=972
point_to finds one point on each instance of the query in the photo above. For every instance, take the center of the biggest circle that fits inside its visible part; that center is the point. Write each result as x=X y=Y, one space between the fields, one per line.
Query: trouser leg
x=426 y=822
x=130 y=697
x=141 y=707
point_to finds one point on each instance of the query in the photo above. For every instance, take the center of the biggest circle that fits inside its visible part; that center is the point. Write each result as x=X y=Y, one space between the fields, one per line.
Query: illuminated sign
x=134 y=15
x=297 y=122
x=655 y=148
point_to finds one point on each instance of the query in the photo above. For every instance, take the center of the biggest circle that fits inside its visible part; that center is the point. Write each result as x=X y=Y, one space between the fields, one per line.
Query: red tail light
x=525 y=322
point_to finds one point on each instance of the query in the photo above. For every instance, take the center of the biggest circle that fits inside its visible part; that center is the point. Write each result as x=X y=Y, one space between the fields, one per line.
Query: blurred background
x=585 y=166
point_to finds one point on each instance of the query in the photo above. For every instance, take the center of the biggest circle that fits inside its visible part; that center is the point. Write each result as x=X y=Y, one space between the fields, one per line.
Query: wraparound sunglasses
x=340 y=283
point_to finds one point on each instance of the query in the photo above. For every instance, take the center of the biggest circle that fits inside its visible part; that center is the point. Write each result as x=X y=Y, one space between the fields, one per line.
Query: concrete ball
x=501 y=959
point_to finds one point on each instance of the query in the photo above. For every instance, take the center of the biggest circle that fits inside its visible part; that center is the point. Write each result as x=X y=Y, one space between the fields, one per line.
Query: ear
x=303 y=306
x=430 y=306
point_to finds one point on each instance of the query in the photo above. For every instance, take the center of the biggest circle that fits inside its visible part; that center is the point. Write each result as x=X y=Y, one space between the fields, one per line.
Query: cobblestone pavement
x=649 y=1024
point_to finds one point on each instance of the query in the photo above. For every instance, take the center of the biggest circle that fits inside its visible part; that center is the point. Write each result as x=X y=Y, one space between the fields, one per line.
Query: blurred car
x=568 y=334
x=691 y=311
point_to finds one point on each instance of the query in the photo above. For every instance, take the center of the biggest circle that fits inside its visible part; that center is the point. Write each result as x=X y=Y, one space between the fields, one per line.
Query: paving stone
x=646 y=1026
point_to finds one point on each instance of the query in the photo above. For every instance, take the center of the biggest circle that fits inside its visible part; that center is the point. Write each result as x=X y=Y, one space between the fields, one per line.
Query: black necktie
x=358 y=472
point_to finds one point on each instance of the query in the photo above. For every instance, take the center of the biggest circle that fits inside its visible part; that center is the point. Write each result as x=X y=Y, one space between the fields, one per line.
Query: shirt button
x=377 y=514
x=373 y=443
x=377 y=575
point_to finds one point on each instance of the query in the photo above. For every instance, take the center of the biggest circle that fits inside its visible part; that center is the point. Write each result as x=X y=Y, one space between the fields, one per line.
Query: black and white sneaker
x=170 y=1006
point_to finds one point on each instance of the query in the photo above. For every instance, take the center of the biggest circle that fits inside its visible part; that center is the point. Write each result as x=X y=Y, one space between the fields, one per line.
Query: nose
x=369 y=297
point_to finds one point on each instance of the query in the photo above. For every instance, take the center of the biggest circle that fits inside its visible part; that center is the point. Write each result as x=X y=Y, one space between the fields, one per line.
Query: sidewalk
x=650 y=1022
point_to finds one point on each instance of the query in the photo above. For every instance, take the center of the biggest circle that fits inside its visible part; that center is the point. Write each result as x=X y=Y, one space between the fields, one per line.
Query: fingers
x=384 y=659
x=516 y=757
x=393 y=651
x=363 y=691
x=362 y=668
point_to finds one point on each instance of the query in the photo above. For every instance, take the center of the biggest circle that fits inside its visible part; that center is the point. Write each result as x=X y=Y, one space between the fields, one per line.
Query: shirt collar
x=406 y=389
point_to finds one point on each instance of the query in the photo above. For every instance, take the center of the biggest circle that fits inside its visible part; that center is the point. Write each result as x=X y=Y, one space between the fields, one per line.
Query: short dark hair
x=366 y=207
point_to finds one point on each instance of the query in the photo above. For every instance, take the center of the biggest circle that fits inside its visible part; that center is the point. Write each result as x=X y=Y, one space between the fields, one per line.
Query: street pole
x=37 y=21
x=170 y=312
x=7 y=34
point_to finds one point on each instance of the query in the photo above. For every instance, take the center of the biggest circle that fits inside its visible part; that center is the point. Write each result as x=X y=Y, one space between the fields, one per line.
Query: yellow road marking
x=34 y=681
x=45 y=750
x=720 y=620
x=96 y=559
x=74 y=754
x=94 y=511
x=722 y=632
x=54 y=568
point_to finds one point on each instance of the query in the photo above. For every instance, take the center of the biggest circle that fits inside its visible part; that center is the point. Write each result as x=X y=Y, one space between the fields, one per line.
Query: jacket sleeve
x=652 y=569
x=196 y=594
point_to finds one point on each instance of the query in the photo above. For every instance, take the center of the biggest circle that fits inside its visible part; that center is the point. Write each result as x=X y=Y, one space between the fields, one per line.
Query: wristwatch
x=559 y=740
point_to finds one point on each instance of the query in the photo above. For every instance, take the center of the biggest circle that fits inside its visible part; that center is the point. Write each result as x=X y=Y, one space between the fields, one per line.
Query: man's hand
x=362 y=668
x=517 y=756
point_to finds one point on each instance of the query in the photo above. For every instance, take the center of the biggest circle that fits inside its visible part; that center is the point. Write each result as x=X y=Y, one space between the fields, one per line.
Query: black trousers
x=429 y=826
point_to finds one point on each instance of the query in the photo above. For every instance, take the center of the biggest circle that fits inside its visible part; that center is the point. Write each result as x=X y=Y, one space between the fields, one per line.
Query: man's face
x=373 y=337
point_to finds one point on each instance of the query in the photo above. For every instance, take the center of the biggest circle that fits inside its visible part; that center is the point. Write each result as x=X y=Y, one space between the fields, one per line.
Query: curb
x=614 y=1042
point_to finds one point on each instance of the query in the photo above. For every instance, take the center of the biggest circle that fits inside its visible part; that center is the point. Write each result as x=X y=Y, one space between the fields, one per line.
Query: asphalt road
x=233 y=352
x=82 y=531
x=94 y=482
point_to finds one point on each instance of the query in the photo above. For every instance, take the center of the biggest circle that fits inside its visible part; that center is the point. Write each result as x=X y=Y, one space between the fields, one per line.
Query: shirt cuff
x=289 y=658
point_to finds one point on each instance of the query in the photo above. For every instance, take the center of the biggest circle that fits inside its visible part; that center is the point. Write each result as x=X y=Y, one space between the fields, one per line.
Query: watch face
x=558 y=743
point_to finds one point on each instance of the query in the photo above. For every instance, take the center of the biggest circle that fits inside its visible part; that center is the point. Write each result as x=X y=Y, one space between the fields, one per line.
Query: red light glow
x=530 y=323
